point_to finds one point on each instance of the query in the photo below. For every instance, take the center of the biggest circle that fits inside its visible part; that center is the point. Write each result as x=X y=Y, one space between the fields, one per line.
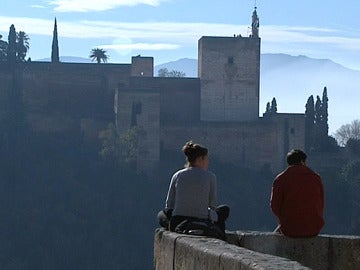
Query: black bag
x=201 y=227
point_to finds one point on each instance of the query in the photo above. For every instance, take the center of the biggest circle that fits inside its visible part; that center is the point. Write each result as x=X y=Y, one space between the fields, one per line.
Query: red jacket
x=297 y=199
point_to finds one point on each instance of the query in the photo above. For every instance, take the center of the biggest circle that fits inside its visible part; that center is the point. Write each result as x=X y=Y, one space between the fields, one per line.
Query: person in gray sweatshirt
x=192 y=193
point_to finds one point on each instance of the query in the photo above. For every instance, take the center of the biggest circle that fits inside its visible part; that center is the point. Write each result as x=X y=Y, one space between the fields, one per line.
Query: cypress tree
x=309 y=123
x=268 y=108
x=11 y=51
x=55 y=46
x=318 y=111
x=273 y=106
x=22 y=46
x=324 y=114
x=318 y=124
x=3 y=49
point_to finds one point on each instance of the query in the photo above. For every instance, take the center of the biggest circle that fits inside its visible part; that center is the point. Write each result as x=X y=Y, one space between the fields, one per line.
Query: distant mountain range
x=292 y=79
x=187 y=65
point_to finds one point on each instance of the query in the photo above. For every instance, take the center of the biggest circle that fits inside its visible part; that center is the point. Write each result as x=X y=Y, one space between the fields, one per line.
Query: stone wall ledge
x=323 y=252
x=186 y=252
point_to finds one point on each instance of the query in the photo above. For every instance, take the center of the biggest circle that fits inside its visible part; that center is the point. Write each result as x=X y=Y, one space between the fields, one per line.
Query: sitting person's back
x=298 y=198
x=192 y=192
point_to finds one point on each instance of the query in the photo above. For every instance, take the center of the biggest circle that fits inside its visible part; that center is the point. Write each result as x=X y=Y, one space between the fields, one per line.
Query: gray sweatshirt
x=192 y=190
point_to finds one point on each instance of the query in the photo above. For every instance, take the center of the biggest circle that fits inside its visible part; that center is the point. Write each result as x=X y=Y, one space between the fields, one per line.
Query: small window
x=230 y=60
x=292 y=130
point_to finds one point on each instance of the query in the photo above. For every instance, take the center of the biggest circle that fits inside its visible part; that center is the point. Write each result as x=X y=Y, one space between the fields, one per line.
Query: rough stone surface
x=321 y=252
x=184 y=252
x=344 y=252
x=229 y=72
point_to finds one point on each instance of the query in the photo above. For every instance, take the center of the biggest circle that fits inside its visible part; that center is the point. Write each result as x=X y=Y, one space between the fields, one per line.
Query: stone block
x=311 y=252
x=321 y=252
x=164 y=246
x=344 y=252
x=184 y=252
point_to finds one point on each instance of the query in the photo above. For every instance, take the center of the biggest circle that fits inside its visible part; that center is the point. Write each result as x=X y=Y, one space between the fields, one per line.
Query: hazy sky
x=169 y=29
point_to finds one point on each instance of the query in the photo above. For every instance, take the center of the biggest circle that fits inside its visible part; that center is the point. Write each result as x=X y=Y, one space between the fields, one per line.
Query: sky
x=169 y=29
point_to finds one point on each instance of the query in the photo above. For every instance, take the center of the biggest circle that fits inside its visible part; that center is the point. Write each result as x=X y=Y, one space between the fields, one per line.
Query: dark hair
x=192 y=151
x=295 y=157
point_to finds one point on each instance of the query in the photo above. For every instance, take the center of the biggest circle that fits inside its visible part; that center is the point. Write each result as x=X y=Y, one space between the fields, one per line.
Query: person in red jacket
x=297 y=198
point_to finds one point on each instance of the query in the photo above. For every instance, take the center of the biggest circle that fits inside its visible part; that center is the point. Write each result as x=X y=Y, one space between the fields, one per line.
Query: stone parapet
x=184 y=252
x=319 y=253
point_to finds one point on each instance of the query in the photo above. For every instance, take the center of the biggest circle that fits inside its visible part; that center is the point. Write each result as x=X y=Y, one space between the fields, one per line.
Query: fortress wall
x=141 y=108
x=290 y=133
x=248 y=144
x=80 y=89
x=180 y=102
x=179 y=98
x=251 y=144
x=67 y=97
x=183 y=252
x=71 y=97
x=5 y=85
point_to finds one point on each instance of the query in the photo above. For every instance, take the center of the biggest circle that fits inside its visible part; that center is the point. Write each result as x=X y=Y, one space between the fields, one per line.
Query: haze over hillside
x=292 y=79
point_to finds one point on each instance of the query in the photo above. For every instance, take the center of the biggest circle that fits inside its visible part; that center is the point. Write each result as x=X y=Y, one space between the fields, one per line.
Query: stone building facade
x=219 y=109
x=229 y=70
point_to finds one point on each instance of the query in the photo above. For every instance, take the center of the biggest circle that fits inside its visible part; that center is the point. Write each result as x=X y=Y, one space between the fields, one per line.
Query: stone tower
x=229 y=71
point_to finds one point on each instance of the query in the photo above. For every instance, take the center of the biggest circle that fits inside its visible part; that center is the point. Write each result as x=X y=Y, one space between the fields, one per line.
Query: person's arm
x=170 y=199
x=276 y=198
x=213 y=194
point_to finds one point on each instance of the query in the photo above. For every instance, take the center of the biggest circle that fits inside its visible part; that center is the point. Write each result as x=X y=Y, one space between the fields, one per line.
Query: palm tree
x=99 y=55
x=22 y=45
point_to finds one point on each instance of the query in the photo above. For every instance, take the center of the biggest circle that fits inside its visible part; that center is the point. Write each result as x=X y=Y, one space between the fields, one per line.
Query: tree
x=318 y=111
x=310 y=111
x=11 y=51
x=271 y=109
x=273 y=106
x=164 y=72
x=120 y=150
x=347 y=132
x=99 y=55
x=317 y=123
x=353 y=145
x=16 y=48
x=351 y=175
x=309 y=123
x=3 y=49
x=22 y=46
x=55 y=45
x=324 y=113
x=268 y=109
